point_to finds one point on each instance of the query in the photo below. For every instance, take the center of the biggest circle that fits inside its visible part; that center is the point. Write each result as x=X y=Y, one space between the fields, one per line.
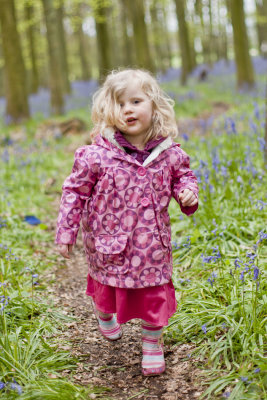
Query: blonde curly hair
x=106 y=112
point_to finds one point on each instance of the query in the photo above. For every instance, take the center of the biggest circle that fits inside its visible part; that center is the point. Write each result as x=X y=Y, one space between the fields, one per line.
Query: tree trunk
x=103 y=40
x=83 y=47
x=115 y=32
x=157 y=36
x=127 y=42
x=167 y=46
x=63 y=48
x=183 y=41
x=29 y=16
x=56 y=87
x=17 y=107
x=1 y=73
x=244 y=68
x=265 y=144
x=141 y=45
x=262 y=26
x=204 y=40
x=222 y=34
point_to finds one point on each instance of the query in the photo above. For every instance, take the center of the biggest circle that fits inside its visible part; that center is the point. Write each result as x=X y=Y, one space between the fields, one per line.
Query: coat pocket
x=109 y=253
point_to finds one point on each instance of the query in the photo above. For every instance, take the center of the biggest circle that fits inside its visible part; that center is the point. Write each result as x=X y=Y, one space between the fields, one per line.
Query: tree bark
x=265 y=144
x=204 y=34
x=244 y=68
x=103 y=40
x=157 y=36
x=141 y=45
x=17 y=107
x=184 y=41
x=127 y=41
x=168 y=49
x=56 y=86
x=83 y=51
x=63 y=47
x=29 y=16
x=261 y=6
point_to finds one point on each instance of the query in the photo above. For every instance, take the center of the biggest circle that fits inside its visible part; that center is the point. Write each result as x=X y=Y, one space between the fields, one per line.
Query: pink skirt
x=154 y=305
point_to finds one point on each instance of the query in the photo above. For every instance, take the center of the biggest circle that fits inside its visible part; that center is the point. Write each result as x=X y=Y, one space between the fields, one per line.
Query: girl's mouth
x=131 y=121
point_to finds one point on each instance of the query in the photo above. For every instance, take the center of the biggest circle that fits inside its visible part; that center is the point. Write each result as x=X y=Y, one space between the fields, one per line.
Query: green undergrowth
x=220 y=258
x=31 y=359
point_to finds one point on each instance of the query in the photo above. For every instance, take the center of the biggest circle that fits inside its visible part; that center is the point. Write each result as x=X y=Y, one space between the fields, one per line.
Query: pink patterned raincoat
x=123 y=206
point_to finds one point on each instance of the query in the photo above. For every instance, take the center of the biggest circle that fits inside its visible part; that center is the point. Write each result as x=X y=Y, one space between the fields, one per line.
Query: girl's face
x=136 y=112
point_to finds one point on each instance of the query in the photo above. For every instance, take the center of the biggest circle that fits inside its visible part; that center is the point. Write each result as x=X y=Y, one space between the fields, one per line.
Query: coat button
x=145 y=202
x=141 y=171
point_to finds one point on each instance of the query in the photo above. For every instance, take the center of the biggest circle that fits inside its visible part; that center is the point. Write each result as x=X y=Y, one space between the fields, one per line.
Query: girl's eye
x=136 y=101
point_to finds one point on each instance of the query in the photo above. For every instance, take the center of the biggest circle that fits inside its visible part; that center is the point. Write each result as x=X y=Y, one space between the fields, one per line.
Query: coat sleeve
x=77 y=188
x=183 y=178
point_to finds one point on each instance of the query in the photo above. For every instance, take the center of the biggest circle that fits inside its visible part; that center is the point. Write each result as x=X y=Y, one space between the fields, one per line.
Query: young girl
x=121 y=187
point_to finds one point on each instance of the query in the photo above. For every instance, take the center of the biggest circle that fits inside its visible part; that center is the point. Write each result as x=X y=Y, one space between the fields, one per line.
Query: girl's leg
x=153 y=362
x=107 y=324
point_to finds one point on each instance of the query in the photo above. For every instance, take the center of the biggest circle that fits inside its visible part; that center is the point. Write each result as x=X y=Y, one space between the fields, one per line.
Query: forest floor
x=116 y=366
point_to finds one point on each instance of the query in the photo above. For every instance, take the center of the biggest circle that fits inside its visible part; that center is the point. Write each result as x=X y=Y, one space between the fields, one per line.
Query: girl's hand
x=187 y=198
x=65 y=250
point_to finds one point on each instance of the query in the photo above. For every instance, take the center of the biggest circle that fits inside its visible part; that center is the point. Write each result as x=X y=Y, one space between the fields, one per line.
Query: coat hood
x=109 y=135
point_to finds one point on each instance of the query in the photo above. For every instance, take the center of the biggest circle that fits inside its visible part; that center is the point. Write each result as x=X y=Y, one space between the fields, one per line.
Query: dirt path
x=115 y=365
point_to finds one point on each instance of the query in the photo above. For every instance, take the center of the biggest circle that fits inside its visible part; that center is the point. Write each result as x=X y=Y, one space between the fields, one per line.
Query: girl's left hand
x=187 y=198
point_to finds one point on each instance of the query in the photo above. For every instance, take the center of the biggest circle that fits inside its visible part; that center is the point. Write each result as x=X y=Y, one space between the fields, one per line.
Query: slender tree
x=184 y=41
x=157 y=35
x=261 y=16
x=167 y=42
x=30 y=32
x=86 y=72
x=142 y=48
x=17 y=107
x=127 y=41
x=244 y=68
x=62 y=47
x=101 y=9
x=56 y=85
x=265 y=143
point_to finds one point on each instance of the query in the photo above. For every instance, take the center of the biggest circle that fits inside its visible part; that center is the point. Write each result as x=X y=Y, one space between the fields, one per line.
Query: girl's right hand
x=65 y=250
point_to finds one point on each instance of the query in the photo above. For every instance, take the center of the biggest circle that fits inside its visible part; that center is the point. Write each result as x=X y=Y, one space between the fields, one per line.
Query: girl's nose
x=127 y=108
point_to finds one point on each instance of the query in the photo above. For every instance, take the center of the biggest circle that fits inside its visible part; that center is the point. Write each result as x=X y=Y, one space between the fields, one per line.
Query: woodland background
x=54 y=43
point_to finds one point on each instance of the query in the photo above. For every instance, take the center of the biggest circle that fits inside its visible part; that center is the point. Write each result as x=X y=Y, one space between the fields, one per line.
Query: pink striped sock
x=108 y=325
x=153 y=362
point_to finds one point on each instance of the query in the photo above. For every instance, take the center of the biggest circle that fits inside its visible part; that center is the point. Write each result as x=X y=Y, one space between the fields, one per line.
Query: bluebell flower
x=261 y=143
x=185 y=136
x=251 y=256
x=257 y=370
x=2 y=385
x=256 y=273
x=242 y=277
x=210 y=281
x=204 y=328
x=226 y=394
x=237 y=263
x=15 y=386
x=223 y=171
x=243 y=378
x=263 y=236
x=256 y=110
